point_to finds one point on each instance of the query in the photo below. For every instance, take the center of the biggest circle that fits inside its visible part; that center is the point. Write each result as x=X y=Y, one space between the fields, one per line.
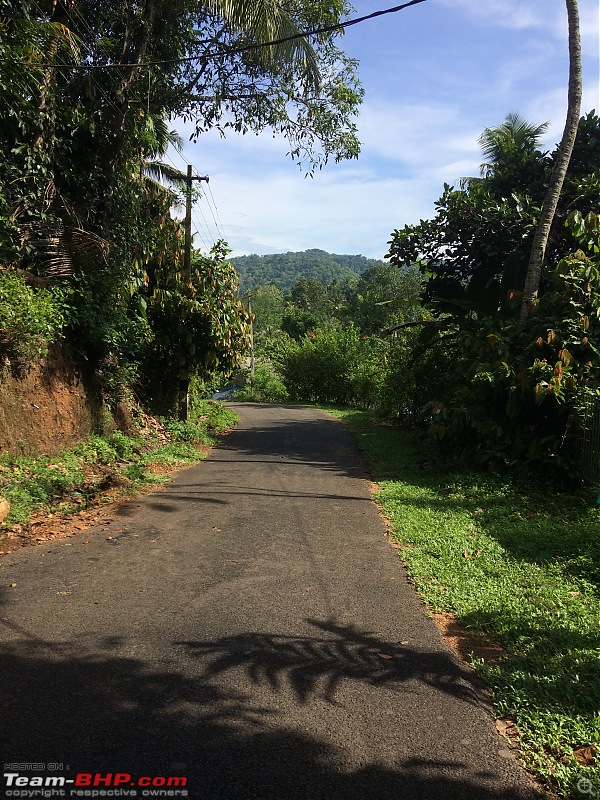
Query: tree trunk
x=134 y=51
x=559 y=171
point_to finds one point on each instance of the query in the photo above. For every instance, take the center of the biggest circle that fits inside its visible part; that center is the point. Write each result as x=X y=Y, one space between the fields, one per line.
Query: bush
x=337 y=365
x=319 y=369
x=265 y=386
x=519 y=400
x=30 y=319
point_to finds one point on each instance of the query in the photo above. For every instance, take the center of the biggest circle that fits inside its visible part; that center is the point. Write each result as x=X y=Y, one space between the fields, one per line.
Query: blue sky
x=435 y=75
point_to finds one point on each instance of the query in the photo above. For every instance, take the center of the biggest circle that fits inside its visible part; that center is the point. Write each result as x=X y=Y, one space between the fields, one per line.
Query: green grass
x=71 y=480
x=520 y=560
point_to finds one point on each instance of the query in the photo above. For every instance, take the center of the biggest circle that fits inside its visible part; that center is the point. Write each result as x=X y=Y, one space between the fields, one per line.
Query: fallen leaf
x=574 y=594
x=479 y=511
x=506 y=727
x=466 y=554
x=385 y=656
x=586 y=756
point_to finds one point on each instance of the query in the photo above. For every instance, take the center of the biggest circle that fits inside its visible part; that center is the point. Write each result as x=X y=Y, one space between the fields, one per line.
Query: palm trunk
x=559 y=171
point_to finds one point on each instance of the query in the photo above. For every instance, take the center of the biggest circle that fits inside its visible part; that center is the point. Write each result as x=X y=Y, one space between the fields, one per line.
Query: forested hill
x=286 y=269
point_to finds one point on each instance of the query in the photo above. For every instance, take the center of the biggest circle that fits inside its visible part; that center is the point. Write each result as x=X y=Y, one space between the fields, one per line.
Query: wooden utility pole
x=186 y=275
x=187 y=252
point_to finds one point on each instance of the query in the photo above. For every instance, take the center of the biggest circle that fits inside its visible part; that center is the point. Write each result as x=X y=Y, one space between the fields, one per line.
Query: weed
x=75 y=477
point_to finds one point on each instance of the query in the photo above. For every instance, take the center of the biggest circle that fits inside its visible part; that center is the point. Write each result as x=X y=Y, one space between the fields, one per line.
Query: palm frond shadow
x=316 y=666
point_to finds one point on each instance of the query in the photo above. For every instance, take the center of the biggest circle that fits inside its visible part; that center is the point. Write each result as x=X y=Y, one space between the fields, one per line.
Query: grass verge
x=520 y=561
x=69 y=482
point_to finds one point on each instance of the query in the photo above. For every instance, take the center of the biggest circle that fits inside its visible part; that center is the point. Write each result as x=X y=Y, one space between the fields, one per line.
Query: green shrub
x=337 y=365
x=320 y=368
x=30 y=319
x=265 y=386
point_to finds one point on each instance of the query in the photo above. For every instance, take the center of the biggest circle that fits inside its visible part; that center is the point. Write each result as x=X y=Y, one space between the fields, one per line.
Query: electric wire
x=229 y=51
x=218 y=222
x=202 y=229
x=212 y=212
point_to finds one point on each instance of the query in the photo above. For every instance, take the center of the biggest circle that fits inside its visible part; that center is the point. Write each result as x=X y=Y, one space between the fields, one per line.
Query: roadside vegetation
x=106 y=467
x=436 y=337
x=519 y=561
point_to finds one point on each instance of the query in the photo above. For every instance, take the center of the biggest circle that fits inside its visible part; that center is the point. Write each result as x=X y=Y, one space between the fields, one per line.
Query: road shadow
x=311 y=439
x=87 y=705
x=316 y=666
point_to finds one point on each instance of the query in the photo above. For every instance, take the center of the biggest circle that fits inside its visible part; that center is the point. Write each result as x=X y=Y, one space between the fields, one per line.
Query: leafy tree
x=268 y=308
x=196 y=327
x=90 y=88
x=383 y=296
x=475 y=251
x=503 y=393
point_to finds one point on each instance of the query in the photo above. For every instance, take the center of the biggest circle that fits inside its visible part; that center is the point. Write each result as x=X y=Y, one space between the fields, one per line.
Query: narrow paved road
x=247 y=626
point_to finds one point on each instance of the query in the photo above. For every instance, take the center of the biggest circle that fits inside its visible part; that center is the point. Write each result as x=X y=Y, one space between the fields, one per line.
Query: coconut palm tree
x=561 y=164
x=510 y=143
x=268 y=21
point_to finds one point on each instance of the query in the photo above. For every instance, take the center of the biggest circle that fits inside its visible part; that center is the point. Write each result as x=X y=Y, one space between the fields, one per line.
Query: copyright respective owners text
x=33 y=780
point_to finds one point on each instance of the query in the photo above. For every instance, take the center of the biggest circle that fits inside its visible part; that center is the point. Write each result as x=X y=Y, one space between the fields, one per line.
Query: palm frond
x=65 y=249
x=267 y=21
x=513 y=135
x=164 y=173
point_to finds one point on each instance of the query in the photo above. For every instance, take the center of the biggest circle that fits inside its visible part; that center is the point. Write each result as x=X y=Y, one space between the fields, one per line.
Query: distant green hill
x=286 y=269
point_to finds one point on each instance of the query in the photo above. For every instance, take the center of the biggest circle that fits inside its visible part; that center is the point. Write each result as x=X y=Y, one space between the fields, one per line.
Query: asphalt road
x=248 y=627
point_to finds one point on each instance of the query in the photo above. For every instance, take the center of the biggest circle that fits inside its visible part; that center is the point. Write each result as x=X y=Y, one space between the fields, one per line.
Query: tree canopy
x=286 y=269
x=91 y=91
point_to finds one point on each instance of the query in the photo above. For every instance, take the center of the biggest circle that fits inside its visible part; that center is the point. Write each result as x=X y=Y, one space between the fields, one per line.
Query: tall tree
x=561 y=164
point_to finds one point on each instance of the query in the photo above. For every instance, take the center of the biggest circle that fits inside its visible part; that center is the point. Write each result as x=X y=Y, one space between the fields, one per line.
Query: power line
x=236 y=50
x=219 y=231
x=209 y=198
x=198 y=224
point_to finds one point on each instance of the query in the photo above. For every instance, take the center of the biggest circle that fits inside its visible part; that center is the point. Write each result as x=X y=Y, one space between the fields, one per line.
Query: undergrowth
x=72 y=479
x=519 y=560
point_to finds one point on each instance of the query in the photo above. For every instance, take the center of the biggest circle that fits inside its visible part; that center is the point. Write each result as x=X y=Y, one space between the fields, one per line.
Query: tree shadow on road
x=95 y=707
x=317 y=665
x=316 y=441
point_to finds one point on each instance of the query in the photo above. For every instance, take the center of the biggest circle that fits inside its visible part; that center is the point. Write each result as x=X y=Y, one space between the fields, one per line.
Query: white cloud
x=510 y=13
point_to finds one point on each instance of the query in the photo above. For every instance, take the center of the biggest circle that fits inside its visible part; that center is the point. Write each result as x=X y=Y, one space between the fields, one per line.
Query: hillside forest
x=286 y=269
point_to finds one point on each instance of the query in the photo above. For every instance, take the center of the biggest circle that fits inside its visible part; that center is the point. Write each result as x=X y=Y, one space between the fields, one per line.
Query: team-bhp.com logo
x=95 y=784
